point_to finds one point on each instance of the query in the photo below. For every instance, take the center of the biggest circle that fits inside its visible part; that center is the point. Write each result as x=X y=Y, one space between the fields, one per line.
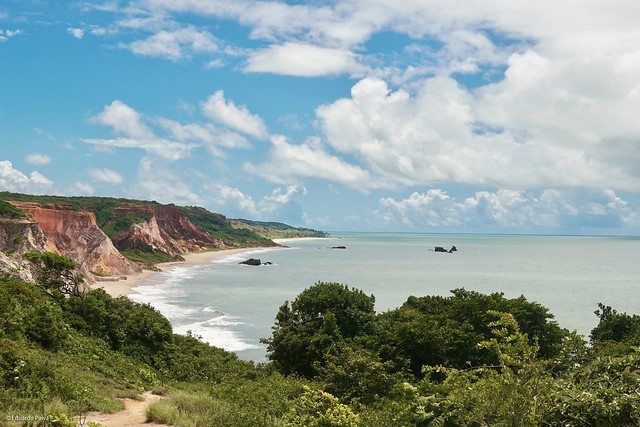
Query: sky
x=484 y=116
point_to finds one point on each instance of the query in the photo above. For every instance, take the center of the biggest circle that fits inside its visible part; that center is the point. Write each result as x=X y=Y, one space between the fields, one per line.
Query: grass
x=149 y=257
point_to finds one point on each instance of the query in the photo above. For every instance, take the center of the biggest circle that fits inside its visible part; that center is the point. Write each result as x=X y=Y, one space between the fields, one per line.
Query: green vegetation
x=277 y=230
x=485 y=360
x=149 y=258
x=102 y=207
x=9 y=211
x=114 y=221
x=218 y=226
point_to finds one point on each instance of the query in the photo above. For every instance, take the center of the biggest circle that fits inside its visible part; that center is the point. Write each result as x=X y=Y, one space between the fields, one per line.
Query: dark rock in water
x=338 y=247
x=268 y=263
x=441 y=249
x=252 y=261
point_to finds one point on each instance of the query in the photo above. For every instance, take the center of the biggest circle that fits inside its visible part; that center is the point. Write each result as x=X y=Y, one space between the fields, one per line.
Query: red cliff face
x=168 y=230
x=76 y=235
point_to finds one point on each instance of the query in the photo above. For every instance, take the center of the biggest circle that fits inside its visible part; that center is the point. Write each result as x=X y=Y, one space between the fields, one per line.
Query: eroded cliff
x=17 y=237
x=168 y=230
x=74 y=233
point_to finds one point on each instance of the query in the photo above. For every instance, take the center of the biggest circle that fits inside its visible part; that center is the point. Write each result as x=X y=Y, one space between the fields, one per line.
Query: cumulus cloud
x=38 y=159
x=232 y=199
x=509 y=209
x=227 y=127
x=287 y=162
x=12 y=179
x=237 y=118
x=106 y=175
x=303 y=60
x=445 y=133
x=123 y=120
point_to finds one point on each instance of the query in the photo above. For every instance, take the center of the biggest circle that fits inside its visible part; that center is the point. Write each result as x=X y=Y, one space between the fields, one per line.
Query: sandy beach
x=124 y=287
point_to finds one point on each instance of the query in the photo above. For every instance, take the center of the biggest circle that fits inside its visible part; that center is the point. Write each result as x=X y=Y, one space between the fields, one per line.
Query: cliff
x=75 y=234
x=108 y=236
x=17 y=237
x=167 y=230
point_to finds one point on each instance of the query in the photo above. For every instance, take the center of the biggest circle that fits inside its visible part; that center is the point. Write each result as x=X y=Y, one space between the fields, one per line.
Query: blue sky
x=411 y=115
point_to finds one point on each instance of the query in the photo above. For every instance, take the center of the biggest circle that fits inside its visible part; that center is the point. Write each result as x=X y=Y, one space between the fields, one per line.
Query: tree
x=321 y=317
x=614 y=326
x=437 y=330
x=56 y=273
x=356 y=375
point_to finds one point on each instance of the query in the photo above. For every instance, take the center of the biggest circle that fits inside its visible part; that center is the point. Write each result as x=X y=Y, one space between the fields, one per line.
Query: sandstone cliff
x=168 y=230
x=17 y=237
x=75 y=234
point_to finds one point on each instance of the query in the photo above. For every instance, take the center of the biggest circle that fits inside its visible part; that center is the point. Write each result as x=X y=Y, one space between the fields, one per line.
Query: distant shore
x=125 y=287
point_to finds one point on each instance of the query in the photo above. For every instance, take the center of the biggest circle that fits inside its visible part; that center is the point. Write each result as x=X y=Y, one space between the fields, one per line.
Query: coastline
x=125 y=287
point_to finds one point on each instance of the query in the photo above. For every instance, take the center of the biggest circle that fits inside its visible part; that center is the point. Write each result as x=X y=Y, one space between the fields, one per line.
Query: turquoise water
x=233 y=306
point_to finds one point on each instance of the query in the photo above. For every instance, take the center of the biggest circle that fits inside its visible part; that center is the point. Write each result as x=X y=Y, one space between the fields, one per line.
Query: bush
x=320 y=317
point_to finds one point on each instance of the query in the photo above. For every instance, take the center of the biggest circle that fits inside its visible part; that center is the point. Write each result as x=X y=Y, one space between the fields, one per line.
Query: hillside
x=115 y=236
x=275 y=230
x=333 y=362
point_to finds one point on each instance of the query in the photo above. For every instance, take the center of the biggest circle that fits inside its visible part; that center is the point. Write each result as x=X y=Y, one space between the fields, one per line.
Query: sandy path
x=134 y=413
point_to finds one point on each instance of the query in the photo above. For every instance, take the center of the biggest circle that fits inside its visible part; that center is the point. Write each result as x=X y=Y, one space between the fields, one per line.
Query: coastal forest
x=466 y=359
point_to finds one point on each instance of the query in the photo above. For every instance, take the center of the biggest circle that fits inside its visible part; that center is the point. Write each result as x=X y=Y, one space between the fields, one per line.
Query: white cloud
x=445 y=133
x=106 y=175
x=38 y=159
x=303 y=60
x=158 y=180
x=5 y=35
x=76 y=32
x=287 y=162
x=12 y=179
x=127 y=121
x=231 y=199
x=83 y=188
x=169 y=150
x=175 y=45
x=123 y=120
x=237 y=118
x=548 y=209
x=278 y=198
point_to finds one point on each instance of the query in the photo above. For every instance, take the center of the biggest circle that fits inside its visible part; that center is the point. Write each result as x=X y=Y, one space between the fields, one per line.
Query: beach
x=125 y=286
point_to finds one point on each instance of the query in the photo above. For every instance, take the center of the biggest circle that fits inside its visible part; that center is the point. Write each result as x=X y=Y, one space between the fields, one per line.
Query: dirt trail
x=133 y=414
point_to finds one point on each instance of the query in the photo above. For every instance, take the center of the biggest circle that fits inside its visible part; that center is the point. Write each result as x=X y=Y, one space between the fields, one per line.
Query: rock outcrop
x=17 y=237
x=75 y=234
x=168 y=230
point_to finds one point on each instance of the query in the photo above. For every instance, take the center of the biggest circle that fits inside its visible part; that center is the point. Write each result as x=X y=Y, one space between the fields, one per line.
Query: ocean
x=232 y=306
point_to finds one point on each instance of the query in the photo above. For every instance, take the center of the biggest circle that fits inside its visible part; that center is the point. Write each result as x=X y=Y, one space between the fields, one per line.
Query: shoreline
x=125 y=286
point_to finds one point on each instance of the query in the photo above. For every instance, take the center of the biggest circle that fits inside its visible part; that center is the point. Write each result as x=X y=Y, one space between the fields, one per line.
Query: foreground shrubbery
x=467 y=359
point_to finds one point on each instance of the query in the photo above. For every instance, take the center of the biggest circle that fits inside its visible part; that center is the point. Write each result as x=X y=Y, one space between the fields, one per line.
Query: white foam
x=162 y=296
x=216 y=336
